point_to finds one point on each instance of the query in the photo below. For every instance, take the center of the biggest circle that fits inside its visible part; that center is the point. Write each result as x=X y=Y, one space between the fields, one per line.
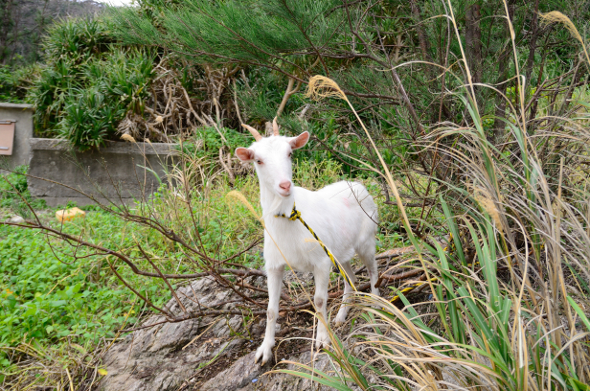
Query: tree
x=409 y=67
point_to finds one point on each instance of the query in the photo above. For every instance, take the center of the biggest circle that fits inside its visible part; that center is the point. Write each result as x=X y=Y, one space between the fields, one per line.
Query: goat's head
x=272 y=158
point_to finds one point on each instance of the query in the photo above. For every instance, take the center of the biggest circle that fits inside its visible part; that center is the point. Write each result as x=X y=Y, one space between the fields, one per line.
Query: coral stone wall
x=23 y=130
x=116 y=173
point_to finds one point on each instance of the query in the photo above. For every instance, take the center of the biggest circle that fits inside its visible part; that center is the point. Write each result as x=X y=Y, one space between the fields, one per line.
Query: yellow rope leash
x=296 y=215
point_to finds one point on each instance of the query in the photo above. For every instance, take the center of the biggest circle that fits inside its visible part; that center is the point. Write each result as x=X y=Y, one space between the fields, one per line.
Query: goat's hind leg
x=343 y=311
x=367 y=256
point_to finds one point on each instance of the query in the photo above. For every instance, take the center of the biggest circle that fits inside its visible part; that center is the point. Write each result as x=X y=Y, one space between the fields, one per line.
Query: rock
x=286 y=382
x=245 y=375
x=16 y=220
x=162 y=357
x=200 y=354
x=239 y=375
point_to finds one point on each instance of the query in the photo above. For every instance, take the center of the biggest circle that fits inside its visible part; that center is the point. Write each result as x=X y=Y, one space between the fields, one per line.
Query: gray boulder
x=162 y=357
x=16 y=220
x=200 y=354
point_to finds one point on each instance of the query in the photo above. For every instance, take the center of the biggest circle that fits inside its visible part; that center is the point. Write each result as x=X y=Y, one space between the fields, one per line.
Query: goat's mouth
x=284 y=188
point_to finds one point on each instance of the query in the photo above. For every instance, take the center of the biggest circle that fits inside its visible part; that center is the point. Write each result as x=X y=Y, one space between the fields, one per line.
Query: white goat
x=343 y=215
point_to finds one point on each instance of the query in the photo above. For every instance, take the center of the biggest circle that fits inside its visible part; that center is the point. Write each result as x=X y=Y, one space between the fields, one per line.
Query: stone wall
x=23 y=131
x=115 y=173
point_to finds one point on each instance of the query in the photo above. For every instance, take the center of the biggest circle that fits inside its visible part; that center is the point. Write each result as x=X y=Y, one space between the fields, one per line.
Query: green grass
x=48 y=296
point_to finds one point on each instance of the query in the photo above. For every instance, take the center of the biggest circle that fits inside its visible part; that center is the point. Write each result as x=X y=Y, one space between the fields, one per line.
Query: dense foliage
x=360 y=49
x=15 y=83
x=47 y=298
x=88 y=86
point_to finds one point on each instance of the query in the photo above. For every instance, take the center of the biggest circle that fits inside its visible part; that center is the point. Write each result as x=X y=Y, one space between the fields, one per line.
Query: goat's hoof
x=340 y=319
x=264 y=352
x=375 y=302
x=322 y=341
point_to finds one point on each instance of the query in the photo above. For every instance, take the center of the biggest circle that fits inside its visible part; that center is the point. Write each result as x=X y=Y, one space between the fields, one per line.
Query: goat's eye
x=290 y=153
x=259 y=161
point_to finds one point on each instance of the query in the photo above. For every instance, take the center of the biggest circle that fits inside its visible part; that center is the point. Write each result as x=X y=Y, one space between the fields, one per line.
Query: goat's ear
x=299 y=141
x=245 y=154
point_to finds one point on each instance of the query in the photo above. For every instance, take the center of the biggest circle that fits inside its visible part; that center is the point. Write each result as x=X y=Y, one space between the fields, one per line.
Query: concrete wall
x=112 y=173
x=23 y=131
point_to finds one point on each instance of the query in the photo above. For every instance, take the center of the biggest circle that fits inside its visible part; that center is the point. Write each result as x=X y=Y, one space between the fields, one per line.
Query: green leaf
x=475 y=313
x=454 y=230
x=576 y=384
x=32 y=310
x=579 y=311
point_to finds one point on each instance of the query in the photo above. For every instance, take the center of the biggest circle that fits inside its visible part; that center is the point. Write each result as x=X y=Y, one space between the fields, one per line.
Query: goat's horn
x=254 y=132
x=275 y=127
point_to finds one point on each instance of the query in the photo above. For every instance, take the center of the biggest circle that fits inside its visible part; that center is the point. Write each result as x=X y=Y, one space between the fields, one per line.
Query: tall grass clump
x=506 y=268
x=117 y=85
x=68 y=48
x=89 y=84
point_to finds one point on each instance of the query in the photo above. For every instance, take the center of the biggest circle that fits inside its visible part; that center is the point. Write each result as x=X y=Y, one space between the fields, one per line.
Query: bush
x=15 y=82
x=69 y=47
x=116 y=85
x=89 y=84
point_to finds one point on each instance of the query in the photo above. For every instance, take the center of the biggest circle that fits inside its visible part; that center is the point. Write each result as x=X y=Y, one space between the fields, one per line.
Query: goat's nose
x=285 y=185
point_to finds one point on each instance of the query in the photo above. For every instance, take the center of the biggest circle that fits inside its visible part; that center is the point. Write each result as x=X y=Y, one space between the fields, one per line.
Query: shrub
x=116 y=85
x=69 y=47
x=15 y=82
x=89 y=83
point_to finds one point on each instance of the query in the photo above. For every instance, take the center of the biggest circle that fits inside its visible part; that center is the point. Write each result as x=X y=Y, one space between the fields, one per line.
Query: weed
x=14 y=194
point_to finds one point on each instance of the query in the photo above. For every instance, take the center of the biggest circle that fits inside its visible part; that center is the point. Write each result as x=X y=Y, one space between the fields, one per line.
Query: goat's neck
x=273 y=204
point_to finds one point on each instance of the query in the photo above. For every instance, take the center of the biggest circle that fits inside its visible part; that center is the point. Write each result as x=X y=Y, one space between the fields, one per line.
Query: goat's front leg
x=274 y=280
x=322 y=278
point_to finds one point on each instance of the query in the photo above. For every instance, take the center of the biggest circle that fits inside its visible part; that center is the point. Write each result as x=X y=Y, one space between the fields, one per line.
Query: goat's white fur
x=343 y=215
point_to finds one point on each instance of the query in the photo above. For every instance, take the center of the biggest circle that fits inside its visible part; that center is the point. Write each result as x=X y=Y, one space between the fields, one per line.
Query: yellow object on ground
x=69 y=214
